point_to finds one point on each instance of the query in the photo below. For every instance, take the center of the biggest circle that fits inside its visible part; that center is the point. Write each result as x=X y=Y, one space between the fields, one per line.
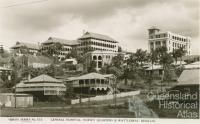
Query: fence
x=105 y=97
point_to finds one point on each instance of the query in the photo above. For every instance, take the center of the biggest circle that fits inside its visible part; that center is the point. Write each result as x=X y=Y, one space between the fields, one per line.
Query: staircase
x=111 y=91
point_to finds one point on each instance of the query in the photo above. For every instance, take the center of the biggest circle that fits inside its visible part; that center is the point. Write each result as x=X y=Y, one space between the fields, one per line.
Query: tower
x=153 y=30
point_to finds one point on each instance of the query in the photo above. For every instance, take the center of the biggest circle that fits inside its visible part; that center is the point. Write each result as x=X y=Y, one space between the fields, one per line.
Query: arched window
x=99 y=58
x=94 y=57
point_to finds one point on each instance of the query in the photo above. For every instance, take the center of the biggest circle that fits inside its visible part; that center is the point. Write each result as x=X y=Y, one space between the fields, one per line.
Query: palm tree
x=175 y=56
x=132 y=65
x=141 y=55
x=153 y=58
x=165 y=59
x=178 y=53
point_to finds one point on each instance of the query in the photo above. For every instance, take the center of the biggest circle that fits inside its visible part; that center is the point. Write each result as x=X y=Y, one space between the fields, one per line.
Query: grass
x=105 y=111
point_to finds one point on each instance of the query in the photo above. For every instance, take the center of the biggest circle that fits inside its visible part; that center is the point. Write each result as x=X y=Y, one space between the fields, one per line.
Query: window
x=92 y=81
x=94 y=57
x=160 y=72
x=81 y=82
x=98 y=81
x=157 y=36
x=99 y=58
x=164 y=42
x=157 y=42
x=86 y=81
x=102 y=81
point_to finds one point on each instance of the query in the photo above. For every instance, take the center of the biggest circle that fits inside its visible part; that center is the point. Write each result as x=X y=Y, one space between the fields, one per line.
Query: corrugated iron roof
x=22 y=84
x=44 y=78
x=4 y=68
x=97 y=36
x=192 y=65
x=88 y=76
x=155 y=67
x=17 y=94
x=61 y=41
x=25 y=44
x=189 y=77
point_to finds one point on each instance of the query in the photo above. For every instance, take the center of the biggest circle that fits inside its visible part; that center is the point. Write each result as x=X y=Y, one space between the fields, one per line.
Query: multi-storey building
x=171 y=40
x=95 y=47
x=101 y=58
x=93 y=41
x=22 y=48
x=92 y=84
x=66 y=46
x=87 y=43
x=42 y=87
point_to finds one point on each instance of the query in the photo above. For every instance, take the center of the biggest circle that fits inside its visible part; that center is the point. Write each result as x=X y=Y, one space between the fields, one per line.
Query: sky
x=127 y=21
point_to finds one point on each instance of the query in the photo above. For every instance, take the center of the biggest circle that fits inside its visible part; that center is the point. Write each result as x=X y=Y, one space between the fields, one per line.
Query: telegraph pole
x=15 y=97
x=115 y=93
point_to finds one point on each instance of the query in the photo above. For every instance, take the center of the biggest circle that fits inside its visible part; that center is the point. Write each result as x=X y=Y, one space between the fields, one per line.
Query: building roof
x=17 y=94
x=192 y=65
x=189 y=57
x=25 y=44
x=5 y=69
x=189 y=77
x=155 y=67
x=179 y=63
x=4 y=60
x=43 y=78
x=108 y=75
x=22 y=84
x=70 y=60
x=61 y=41
x=88 y=76
x=97 y=36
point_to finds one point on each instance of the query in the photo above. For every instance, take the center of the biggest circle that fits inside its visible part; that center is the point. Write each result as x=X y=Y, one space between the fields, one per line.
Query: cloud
x=125 y=20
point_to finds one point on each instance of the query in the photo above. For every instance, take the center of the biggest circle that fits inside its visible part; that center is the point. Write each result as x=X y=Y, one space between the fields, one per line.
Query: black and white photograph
x=101 y=61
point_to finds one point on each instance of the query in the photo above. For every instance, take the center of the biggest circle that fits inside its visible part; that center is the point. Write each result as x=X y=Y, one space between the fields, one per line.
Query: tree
x=165 y=59
x=141 y=56
x=92 y=67
x=125 y=75
x=5 y=54
x=13 y=63
x=161 y=51
x=72 y=54
x=54 y=50
x=117 y=61
x=132 y=68
x=178 y=53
